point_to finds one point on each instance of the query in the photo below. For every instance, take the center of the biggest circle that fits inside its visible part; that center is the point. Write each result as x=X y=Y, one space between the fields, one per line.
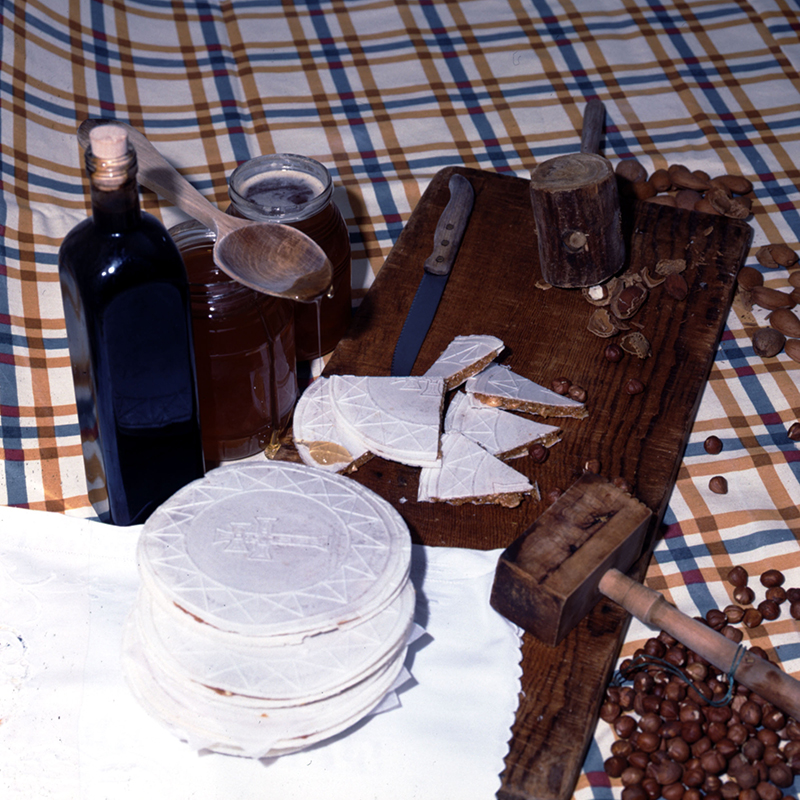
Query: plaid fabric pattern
x=386 y=93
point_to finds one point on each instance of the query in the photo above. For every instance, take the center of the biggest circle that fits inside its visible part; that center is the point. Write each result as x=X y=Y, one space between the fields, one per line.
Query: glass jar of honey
x=297 y=191
x=244 y=353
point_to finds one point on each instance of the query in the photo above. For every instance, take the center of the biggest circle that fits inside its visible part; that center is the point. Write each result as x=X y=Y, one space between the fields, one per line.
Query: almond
x=778 y=255
x=642 y=190
x=767 y=342
x=792 y=349
x=676 y=286
x=785 y=321
x=687 y=198
x=662 y=200
x=705 y=207
x=739 y=208
x=794 y=279
x=631 y=170
x=683 y=178
x=750 y=277
x=736 y=184
x=770 y=298
x=660 y=180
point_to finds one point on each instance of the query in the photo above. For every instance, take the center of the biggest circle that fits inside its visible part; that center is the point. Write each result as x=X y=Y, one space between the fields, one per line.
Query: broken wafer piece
x=398 y=418
x=464 y=357
x=469 y=474
x=501 y=387
x=502 y=433
x=318 y=439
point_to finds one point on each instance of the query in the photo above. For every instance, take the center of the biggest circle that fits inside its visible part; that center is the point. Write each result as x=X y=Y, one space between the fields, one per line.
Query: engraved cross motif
x=255 y=539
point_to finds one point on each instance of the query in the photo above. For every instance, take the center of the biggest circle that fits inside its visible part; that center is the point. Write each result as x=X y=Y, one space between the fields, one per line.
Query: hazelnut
x=772 y=577
x=743 y=595
x=769 y=609
x=553 y=495
x=752 y=618
x=539 y=453
x=718 y=485
x=794 y=609
x=794 y=432
x=738 y=576
x=613 y=353
x=713 y=445
x=634 y=386
x=561 y=385
x=622 y=484
x=733 y=613
x=577 y=393
x=776 y=593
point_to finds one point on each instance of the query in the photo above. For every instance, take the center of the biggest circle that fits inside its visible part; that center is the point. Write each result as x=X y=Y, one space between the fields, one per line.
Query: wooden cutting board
x=492 y=290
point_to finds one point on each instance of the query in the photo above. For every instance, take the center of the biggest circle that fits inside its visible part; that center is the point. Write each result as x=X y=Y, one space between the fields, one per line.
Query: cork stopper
x=109 y=141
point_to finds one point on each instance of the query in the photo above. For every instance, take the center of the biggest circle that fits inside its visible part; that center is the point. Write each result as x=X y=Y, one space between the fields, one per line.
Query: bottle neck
x=114 y=191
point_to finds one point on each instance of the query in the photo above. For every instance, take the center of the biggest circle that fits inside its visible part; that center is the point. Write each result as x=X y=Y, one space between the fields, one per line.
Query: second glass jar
x=297 y=191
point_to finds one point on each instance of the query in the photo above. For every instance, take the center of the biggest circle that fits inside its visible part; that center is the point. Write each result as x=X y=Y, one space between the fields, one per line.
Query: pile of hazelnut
x=672 y=743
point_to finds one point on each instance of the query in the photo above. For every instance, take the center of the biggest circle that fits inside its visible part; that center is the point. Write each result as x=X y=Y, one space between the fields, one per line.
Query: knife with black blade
x=447 y=239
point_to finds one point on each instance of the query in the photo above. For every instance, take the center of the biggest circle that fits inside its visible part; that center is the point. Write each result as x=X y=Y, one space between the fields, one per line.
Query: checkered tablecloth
x=385 y=93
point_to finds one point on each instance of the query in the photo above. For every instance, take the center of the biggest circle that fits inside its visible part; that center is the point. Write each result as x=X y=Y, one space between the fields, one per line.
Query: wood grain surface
x=493 y=290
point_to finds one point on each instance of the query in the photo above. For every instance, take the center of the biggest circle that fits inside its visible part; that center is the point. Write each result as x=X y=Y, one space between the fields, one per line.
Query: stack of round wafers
x=275 y=608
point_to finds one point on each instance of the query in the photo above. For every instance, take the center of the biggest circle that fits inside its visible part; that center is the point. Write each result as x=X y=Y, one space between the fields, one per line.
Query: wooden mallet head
x=546 y=581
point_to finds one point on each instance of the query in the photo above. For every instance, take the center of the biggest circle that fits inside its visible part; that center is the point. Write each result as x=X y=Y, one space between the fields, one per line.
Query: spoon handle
x=158 y=175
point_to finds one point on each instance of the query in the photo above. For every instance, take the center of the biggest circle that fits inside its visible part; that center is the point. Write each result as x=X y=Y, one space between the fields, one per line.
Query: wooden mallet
x=579 y=549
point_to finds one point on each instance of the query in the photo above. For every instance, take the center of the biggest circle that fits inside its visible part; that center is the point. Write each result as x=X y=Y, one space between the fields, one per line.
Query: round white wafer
x=280 y=675
x=275 y=549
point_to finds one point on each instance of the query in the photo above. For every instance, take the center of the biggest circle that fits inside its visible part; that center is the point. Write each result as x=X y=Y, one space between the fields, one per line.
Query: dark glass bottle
x=126 y=304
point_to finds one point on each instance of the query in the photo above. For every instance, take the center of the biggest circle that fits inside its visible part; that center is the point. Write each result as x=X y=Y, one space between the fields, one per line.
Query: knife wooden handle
x=451 y=226
x=594 y=116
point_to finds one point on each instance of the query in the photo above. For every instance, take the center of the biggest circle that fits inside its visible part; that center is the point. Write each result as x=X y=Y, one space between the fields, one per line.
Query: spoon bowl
x=266 y=256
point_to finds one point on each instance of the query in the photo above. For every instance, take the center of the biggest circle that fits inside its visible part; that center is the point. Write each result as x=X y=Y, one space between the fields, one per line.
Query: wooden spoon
x=266 y=256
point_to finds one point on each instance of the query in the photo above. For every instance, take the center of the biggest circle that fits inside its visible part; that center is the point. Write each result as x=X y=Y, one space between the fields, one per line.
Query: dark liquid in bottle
x=127 y=315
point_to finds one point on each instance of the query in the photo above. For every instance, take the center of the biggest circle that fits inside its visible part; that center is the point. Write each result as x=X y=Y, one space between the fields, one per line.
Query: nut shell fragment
x=667 y=266
x=627 y=300
x=601 y=294
x=602 y=324
x=636 y=343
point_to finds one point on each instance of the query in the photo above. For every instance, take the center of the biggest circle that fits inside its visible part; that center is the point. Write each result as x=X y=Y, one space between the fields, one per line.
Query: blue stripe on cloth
x=448 y=46
x=372 y=167
x=11 y=429
x=9 y=341
x=232 y=113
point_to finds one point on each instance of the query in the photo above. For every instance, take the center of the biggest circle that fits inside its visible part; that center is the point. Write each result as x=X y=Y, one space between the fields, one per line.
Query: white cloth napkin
x=71 y=729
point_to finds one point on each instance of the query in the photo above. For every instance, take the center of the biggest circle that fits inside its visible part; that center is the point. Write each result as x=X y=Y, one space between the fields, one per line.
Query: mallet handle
x=757 y=674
